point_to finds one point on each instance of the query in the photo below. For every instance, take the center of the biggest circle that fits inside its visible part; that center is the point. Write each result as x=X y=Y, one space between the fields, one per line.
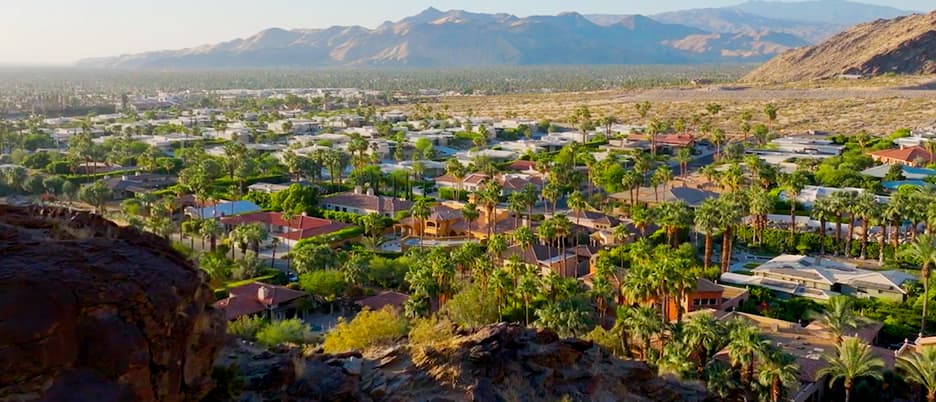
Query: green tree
x=793 y=184
x=95 y=194
x=919 y=367
x=420 y=211
x=473 y=307
x=308 y=257
x=852 y=360
x=839 y=317
x=329 y=285
x=367 y=329
x=779 y=372
x=923 y=249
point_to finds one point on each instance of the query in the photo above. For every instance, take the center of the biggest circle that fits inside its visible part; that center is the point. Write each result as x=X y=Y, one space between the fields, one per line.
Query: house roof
x=909 y=172
x=705 y=285
x=246 y=299
x=538 y=253
x=908 y=154
x=383 y=299
x=368 y=202
x=444 y=213
x=141 y=182
x=301 y=226
x=522 y=165
x=691 y=196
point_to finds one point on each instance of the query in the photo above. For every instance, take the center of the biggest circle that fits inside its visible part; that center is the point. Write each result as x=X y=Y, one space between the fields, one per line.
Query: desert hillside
x=904 y=45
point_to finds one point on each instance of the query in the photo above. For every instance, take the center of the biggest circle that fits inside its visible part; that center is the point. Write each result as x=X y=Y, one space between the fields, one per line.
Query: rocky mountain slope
x=495 y=363
x=458 y=38
x=93 y=312
x=904 y=45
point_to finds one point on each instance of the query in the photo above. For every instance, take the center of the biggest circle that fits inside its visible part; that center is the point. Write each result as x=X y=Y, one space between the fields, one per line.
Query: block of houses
x=799 y=275
x=908 y=156
x=288 y=231
x=274 y=302
x=364 y=204
x=128 y=186
x=510 y=183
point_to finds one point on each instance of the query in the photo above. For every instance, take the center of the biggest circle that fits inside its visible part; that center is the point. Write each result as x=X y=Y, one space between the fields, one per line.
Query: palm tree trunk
x=838 y=232
x=882 y=243
x=925 y=274
x=864 y=237
x=848 y=388
x=851 y=235
x=724 y=263
x=822 y=236
x=707 y=259
x=793 y=220
x=896 y=238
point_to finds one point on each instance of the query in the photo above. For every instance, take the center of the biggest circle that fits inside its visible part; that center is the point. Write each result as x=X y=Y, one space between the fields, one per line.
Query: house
x=510 y=182
x=289 y=232
x=226 y=208
x=817 y=278
x=128 y=186
x=706 y=295
x=593 y=220
x=807 y=345
x=691 y=196
x=277 y=302
x=363 y=204
x=383 y=299
x=908 y=156
x=546 y=259
x=446 y=220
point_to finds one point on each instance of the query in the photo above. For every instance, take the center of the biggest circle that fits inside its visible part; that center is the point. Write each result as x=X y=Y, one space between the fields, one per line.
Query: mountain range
x=750 y=32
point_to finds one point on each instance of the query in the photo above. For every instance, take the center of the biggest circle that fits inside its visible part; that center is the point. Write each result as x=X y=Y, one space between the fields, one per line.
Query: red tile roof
x=379 y=301
x=908 y=154
x=245 y=300
x=301 y=226
x=522 y=165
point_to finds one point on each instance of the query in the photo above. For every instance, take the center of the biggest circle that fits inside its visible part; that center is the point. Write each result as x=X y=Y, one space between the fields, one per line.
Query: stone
x=90 y=308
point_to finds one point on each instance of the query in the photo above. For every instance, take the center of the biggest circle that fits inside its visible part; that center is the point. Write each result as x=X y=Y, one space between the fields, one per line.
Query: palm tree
x=673 y=216
x=718 y=137
x=778 y=372
x=707 y=221
x=822 y=211
x=524 y=237
x=420 y=211
x=496 y=245
x=839 y=317
x=562 y=227
x=760 y=204
x=516 y=204
x=489 y=196
x=923 y=249
x=644 y=324
x=527 y=289
x=470 y=213
x=920 y=367
x=770 y=110
x=577 y=202
x=852 y=360
x=704 y=335
x=630 y=181
x=684 y=156
x=793 y=183
x=546 y=231
x=661 y=176
x=744 y=346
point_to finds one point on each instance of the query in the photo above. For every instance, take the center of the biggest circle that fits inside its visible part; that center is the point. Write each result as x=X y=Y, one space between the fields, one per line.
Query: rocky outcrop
x=495 y=363
x=905 y=45
x=90 y=311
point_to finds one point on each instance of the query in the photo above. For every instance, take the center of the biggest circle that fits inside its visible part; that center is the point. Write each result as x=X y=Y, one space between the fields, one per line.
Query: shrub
x=606 y=338
x=430 y=331
x=473 y=307
x=286 y=331
x=367 y=329
x=246 y=327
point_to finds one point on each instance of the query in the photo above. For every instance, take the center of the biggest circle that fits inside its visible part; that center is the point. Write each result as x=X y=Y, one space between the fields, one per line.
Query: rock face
x=905 y=45
x=92 y=311
x=496 y=363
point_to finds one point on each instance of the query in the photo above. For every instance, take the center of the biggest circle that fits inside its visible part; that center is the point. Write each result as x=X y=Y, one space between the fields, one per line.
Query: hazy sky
x=61 y=31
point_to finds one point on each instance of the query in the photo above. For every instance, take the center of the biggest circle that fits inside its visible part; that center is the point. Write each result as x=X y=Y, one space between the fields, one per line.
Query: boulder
x=93 y=311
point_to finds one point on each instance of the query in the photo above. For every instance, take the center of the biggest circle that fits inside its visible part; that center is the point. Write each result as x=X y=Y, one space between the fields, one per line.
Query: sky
x=63 y=31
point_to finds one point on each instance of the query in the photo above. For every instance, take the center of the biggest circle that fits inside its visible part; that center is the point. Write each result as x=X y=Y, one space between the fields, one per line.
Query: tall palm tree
x=562 y=226
x=577 y=202
x=524 y=237
x=704 y=335
x=866 y=208
x=420 y=211
x=516 y=204
x=673 y=216
x=527 y=290
x=778 y=372
x=644 y=324
x=920 y=367
x=630 y=181
x=546 y=231
x=707 y=221
x=470 y=213
x=923 y=249
x=852 y=360
x=793 y=184
x=760 y=204
x=661 y=176
x=822 y=211
x=684 y=156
